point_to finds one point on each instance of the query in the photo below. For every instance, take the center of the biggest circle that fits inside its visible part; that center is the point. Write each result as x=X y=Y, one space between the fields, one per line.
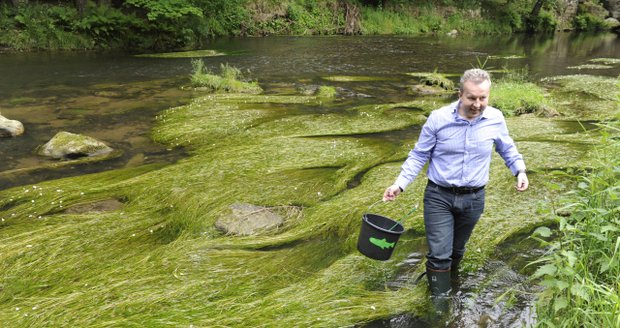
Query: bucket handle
x=415 y=208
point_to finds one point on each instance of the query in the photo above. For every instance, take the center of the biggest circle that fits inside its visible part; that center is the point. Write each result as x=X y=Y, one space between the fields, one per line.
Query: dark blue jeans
x=449 y=219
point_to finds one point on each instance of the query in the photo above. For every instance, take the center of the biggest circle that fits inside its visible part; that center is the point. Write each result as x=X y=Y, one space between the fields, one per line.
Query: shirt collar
x=455 y=113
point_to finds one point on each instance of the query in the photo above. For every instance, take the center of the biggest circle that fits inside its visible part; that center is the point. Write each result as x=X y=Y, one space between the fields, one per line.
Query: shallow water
x=499 y=294
x=114 y=97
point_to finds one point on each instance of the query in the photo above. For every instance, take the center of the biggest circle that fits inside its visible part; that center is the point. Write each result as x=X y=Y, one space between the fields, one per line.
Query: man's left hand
x=522 y=182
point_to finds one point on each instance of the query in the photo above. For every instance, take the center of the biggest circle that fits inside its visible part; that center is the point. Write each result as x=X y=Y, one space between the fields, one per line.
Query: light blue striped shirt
x=459 y=151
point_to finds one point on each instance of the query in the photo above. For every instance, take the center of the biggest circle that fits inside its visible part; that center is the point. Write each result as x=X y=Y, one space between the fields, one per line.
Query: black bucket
x=378 y=236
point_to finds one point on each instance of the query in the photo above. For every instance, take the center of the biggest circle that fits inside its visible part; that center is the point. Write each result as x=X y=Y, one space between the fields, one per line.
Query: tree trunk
x=80 y=5
x=352 y=19
x=537 y=7
x=17 y=3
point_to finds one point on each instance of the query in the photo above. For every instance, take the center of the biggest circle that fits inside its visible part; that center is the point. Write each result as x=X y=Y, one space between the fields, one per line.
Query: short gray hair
x=476 y=75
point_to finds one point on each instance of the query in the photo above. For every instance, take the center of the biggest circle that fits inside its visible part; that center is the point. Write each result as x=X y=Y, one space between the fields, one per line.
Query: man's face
x=474 y=98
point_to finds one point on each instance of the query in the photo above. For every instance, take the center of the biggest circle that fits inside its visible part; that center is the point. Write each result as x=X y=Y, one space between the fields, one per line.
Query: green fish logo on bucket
x=382 y=243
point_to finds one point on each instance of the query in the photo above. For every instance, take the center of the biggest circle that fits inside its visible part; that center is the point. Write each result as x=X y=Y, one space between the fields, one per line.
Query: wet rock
x=107 y=205
x=309 y=90
x=350 y=93
x=65 y=145
x=428 y=90
x=246 y=219
x=612 y=22
x=547 y=112
x=614 y=8
x=10 y=128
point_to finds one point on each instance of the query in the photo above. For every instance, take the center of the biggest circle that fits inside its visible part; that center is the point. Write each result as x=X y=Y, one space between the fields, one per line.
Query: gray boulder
x=246 y=219
x=612 y=22
x=65 y=145
x=10 y=128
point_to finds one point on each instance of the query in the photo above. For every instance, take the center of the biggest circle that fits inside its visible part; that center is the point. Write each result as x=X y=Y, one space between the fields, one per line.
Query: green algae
x=606 y=61
x=424 y=74
x=586 y=97
x=601 y=87
x=349 y=78
x=184 y=54
x=508 y=57
x=21 y=101
x=159 y=259
x=326 y=91
x=590 y=66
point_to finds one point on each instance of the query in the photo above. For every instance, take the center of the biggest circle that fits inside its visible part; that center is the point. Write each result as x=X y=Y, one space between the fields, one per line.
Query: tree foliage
x=175 y=24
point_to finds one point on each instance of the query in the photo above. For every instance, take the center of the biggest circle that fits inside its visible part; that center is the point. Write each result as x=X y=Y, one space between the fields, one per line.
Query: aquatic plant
x=343 y=78
x=590 y=66
x=599 y=86
x=160 y=260
x=184 y=54
x=325 y=91
x=585 y=97
x=581 y=270
x=516 y=98
x=228 y=80
x=434 y=79
x=606 y=61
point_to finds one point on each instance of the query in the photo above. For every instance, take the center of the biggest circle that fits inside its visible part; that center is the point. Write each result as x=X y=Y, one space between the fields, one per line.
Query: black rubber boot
x=455 y=264
x=438 y=281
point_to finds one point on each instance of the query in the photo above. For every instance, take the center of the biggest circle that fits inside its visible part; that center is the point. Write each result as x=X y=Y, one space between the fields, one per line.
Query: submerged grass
x=183 y=54
x=160 y=261
x=585 y=97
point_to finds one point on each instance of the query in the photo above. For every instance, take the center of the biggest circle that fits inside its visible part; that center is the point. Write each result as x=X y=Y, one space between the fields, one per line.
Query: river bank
x=149 y=26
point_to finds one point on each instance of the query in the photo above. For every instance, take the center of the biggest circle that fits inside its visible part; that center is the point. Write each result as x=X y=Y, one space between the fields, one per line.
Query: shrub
x=589 y=22
x=40 y=26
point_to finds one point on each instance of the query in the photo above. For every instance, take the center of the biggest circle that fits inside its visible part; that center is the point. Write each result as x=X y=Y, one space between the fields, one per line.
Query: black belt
x=457 y=190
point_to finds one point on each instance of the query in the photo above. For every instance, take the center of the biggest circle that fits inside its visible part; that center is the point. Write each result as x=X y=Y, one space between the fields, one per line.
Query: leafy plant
x=581 y=270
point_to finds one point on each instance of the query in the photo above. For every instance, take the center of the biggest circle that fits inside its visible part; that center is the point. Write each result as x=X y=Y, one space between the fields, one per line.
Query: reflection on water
x=114 y=97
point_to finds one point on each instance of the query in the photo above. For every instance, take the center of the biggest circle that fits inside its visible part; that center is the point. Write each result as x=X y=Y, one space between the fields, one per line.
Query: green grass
x=516 y=98
x=426 y=20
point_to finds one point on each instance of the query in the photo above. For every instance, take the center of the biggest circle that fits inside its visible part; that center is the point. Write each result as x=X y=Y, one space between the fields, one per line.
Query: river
x=115 y=97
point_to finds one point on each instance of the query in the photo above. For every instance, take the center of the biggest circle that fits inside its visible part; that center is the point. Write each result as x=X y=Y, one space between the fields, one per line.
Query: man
x=457 y=141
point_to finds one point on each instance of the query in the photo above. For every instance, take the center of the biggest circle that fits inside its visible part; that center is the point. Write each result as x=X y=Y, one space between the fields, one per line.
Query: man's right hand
x=390 y=193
